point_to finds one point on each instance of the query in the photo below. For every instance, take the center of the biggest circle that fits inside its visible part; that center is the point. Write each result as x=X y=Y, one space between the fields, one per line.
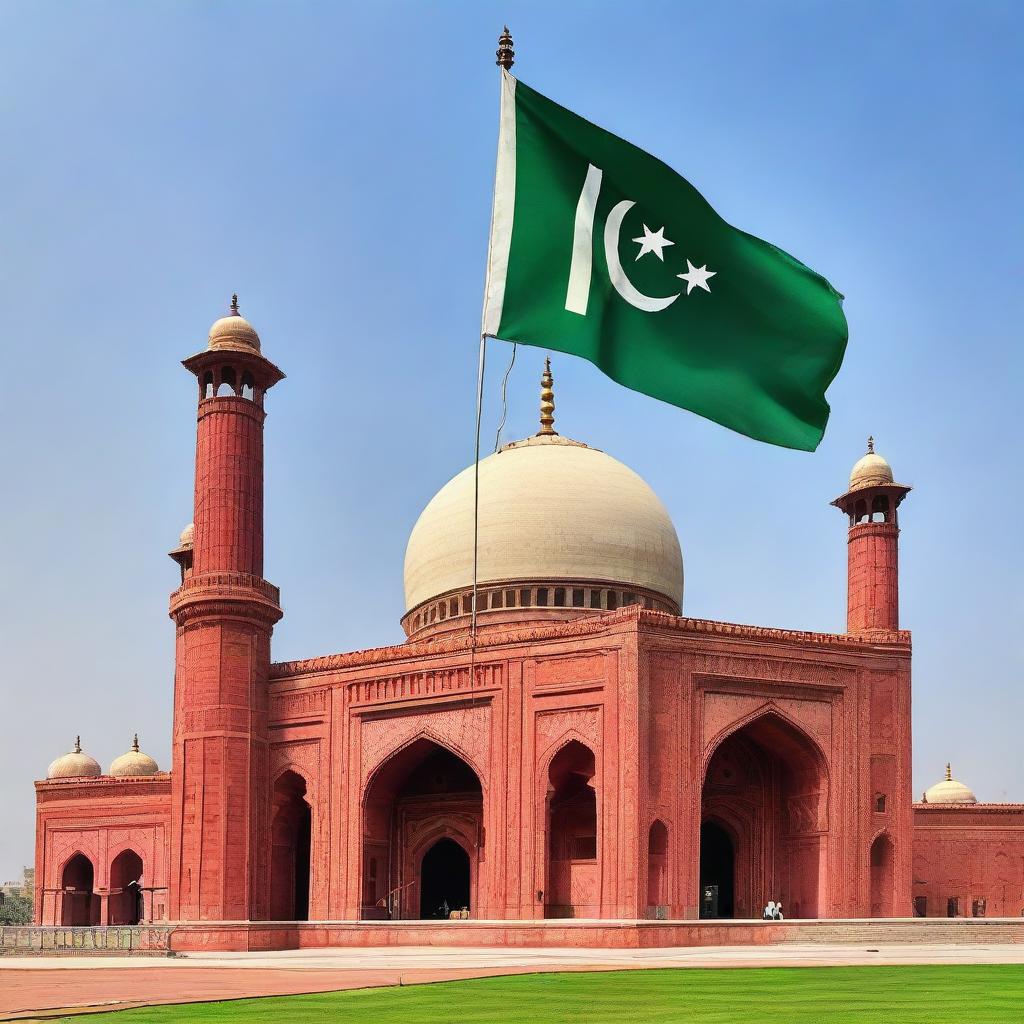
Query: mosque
x=594 y=754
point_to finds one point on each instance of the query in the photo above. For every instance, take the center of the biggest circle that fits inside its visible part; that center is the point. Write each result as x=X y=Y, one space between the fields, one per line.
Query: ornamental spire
x=135 y=743
x=547 y=402
x=949 y=773
x=871 y=445
x=78 y=745
x=505 y=54
x=234 y=305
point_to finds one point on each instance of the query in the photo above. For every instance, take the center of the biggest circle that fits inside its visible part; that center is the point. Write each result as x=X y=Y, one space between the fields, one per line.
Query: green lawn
x=892 y=995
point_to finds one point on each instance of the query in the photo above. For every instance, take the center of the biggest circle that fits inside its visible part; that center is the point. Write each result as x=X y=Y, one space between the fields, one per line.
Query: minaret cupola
x=871 y=504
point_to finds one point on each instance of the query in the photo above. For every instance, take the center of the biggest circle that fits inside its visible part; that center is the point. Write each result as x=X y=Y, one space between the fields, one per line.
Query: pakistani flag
x=600 y=250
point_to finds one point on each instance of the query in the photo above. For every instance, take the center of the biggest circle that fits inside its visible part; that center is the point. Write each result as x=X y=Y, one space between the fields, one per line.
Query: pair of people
x=773 y=912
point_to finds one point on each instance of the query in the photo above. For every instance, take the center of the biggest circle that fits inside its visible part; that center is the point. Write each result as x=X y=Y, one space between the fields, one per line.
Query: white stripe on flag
x=503 y=209
x=577 y=295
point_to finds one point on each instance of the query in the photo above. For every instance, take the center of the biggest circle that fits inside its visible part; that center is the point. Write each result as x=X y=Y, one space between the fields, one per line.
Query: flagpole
x=476 y=488
x=505 y=55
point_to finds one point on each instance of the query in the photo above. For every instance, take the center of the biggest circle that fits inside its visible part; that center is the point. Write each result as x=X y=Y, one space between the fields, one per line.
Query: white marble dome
x=870 y=470
x=233 y=332
x=550 y=509
x=133 y=763
x=76 y=764
x=949 y=791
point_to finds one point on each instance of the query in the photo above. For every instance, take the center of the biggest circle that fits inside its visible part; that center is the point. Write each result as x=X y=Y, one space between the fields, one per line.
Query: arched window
x=208 y=389
x=227 y=382
x=248 y=386
x=861 y=511
x=880 y=509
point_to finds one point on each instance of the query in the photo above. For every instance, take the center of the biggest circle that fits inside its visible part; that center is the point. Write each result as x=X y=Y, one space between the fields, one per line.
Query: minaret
x=873 y=570
x=224 y=612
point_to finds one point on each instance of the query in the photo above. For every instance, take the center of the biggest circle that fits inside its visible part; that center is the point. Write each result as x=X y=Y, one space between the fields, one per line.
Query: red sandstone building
x=595 y=755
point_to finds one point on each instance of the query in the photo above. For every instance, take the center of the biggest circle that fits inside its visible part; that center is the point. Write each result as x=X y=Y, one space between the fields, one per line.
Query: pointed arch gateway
x=422 y=834
x=80 y=905
x=764 y=822
x=126 y=882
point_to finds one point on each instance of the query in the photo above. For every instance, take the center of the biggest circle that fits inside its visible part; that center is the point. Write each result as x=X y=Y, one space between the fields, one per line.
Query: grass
x=889 y=995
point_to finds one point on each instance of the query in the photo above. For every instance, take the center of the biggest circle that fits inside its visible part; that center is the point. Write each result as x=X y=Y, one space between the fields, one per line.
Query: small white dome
x=233 y=332
x=134 y=763
x=949 y=791
x=550 y=509
x=187 y=535
x=871 y=470
x=76 y=764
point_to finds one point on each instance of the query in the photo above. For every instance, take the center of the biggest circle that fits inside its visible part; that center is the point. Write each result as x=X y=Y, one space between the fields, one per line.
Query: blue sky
x=332 y=163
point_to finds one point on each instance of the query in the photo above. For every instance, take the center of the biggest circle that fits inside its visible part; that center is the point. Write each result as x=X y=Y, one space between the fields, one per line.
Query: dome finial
x=949 y=772
x=135 y=743
x=871 y=445
x=505 y=54
x=547 y=402
x=234 y=305
x=78 y=745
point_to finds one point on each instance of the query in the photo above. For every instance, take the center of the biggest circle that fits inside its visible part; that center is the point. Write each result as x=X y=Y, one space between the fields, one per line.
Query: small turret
x=873 y=544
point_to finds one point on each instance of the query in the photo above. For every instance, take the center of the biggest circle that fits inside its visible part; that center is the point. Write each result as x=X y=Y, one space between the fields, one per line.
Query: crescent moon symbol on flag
x=622 y=284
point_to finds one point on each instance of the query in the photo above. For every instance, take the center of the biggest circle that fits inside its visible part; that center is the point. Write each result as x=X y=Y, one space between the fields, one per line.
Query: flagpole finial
x=505 y=54
x=871 y=445
x=78 y=744
x=135 y=743
x=949 y=772
x=547 y=402
x=234 y=305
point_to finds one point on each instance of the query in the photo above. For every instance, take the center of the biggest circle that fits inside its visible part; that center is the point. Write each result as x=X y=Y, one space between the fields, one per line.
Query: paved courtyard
x=34 y=988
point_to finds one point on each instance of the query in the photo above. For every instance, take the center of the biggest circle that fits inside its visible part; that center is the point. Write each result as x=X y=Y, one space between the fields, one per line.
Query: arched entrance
x=289 y=863
x=717 y=871
x=80 y=905
x=766 y=792
x=125 y=901
x=881 y=877
x=573 y=876
x=444 y=879
x=419 y=804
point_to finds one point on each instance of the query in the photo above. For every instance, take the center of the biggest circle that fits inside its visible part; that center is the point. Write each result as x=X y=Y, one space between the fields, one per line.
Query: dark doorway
x=303 y=828
x=81 y=907
x=444 y=879
x=717 y=868
x=289 y=866
x=125 y=901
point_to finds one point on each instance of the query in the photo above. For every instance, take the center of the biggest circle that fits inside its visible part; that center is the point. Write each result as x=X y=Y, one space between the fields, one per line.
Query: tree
x=15 y=908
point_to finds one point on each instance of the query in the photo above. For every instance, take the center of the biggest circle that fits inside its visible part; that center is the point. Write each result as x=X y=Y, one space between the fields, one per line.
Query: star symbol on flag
x=653 y=241
x=696 y=277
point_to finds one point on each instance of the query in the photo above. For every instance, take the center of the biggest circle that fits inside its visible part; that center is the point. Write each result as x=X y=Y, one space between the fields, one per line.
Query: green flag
x=600 y=250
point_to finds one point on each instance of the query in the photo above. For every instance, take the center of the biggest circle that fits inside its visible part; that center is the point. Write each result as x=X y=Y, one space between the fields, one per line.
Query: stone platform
x=266 y=936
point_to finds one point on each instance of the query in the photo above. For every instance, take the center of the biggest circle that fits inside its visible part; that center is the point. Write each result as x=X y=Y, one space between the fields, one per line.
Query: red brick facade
x=608 y=764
